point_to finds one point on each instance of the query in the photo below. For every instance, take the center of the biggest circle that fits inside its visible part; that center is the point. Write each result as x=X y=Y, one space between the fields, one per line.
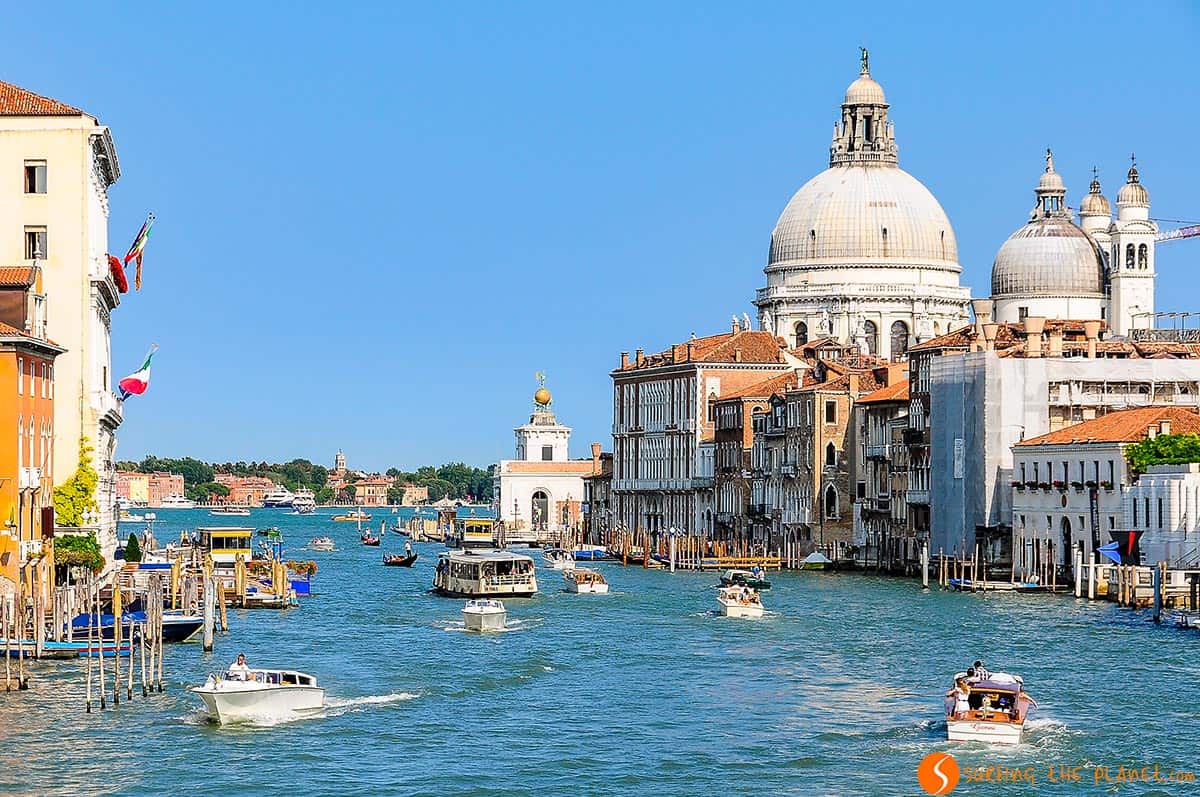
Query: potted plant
x=1059 y=484
x=1107 y=485
x=1078 y=486
x=1090 y=484
x=1031 y=484
x=1019 y=485
x=1043 y=485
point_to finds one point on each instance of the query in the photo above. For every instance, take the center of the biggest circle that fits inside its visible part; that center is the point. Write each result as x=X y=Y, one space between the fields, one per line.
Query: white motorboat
x=230 y=511
x=303 y=502
x=740 y=601
x=484 y=615
x=558 y=559
x=266 y=694
x=992 y=709
x=177 y=501
x=124 y=504
x=321 y=544
x=584 y=581
x=279 y=497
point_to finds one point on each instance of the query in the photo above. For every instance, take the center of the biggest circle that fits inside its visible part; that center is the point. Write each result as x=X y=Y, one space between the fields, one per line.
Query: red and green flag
x=139 y=245
x=136 y=383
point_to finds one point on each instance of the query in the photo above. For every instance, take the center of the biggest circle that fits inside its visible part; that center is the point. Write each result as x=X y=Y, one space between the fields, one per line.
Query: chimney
x=1091 y=331
x=989 y=336
x=691 y=351
x=735 y=327
x=1152 y=432
x=737 y=354
x=1033 y=335
x=595 y=457
x=638 y=357
x=677 y=352
x=1164 y=426
x=1055 y=337
x=624 y=360
x=982 y=308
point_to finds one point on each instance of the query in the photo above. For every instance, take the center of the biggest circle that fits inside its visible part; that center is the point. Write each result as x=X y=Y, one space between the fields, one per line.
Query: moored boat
x=558 y=559
x=590 y=553
x=177 y=626
x=177 y=501
x=991 y=709
x=484 y=615
x=815 y=561
x=584 y=581
x=745 y=578
x=264 y=694
x=279 y=498
x=740 y=601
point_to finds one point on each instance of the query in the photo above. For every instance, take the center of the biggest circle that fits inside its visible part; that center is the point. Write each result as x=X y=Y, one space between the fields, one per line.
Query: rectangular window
x=1135 y=519
x=547 y=453
x=20 y=376
x=35 y=177
x=1111 y=473
x=1112 y=520
x=862 y=490
x=1160 y=523
x=1146 y=508
x=1022 y=313
x=1035 y=472
x=830 y=412
x=35 y=243
x=1023 y=479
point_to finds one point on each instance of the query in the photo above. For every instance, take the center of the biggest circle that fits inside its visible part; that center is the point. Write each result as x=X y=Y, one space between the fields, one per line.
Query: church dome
x=1133 y=192
x=1094 y=202
x=865 y=91
x=864 y=215
x=1048 y=257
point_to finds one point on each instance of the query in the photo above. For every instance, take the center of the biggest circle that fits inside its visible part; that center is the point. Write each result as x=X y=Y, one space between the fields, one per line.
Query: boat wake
x=512 y=625
x=334 y=707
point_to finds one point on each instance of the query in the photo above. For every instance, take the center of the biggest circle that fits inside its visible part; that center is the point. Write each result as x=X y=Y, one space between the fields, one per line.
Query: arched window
x=871 y=333
x=1143 y=256
x=801 y=333
x=831 y=503
x=937 y=329
x=831 y=456
x=1129 y=256
x=900 y=339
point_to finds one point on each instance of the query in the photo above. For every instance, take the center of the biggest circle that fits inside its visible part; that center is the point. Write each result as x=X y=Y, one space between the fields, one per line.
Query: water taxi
x=744 y=578
x=230 y=511
x=264 y=694
x=583 y=581
x=484 y=615
x=739 y=601
x=816 y=561
x=226 y=544
x=484 y=573
x=351 y=517
x=992 y=709
x=558 y=559
x=321 y=544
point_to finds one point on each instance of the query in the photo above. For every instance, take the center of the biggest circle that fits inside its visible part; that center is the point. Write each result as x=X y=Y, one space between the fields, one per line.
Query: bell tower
x=1131 y=258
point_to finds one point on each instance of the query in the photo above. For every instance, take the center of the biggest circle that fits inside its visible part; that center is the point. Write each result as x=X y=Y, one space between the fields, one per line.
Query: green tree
x=133 y=551
x=77 y=495
x=324 y=495
x=78 y=550
x=205 y=491
x=1165 y=449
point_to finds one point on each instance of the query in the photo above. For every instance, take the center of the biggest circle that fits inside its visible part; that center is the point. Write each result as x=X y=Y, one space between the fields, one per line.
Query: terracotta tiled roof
x=755 y=346
x=894 y=392
x=21 y=276
x=16 y=101
x=576 y=467
x=765 y=388
x=1121 y=426
x=5 y=329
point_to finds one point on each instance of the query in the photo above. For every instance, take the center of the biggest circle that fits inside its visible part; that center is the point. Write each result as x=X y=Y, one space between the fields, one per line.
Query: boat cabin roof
x=484 y=555
x=225 y=531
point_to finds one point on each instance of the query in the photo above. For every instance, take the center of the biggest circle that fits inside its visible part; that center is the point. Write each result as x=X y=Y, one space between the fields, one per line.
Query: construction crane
x=1190 y=231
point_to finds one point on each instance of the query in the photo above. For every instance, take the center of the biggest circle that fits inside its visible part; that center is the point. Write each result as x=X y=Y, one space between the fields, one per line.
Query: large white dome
x=865 y=216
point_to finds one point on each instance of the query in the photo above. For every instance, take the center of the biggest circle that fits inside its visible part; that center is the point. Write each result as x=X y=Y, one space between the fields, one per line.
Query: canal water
x=838 y=691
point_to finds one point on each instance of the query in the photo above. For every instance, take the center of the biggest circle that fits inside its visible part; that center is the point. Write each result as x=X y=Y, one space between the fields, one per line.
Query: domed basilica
x=863 y=252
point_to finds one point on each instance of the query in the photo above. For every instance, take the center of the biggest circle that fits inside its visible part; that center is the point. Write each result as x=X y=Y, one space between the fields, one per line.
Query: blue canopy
x=1112 y=551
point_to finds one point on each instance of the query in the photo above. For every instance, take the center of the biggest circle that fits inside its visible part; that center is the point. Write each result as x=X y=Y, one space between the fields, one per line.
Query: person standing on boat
x=239 y=670
x=980 y=672
x=408 y=547
x=962 y=693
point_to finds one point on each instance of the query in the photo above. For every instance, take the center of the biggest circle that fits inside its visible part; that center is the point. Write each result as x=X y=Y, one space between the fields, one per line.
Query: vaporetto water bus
x=484 y=573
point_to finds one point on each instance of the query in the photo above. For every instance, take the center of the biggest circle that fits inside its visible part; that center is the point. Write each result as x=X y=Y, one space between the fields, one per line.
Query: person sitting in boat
x=239 y=670
x=981 y=673
x=971 y=676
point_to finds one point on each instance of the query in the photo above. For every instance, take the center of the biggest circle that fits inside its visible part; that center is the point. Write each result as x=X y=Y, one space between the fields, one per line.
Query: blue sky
x=376 y=223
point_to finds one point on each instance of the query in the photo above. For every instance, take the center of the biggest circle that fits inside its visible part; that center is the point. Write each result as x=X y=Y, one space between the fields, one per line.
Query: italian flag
x=136 y=383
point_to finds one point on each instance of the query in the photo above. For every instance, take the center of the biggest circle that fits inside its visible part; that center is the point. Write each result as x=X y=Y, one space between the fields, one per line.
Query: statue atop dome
x=865 y=69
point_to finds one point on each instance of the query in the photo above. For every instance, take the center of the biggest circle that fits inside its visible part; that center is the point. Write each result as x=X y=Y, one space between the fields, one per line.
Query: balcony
x=917 y=497
x=916 y=437
x=29 y=478
x=702 y=482
x=879 y=451
x=108 y=407
x=787 y=471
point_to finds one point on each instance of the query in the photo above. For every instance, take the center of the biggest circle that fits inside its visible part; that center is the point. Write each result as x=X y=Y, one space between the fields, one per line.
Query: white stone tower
x=543 y=439
x=1131 y=259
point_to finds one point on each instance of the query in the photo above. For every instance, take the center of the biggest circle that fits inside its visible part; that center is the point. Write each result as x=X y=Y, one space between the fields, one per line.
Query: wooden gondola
x=399 y=560
x=369 y=540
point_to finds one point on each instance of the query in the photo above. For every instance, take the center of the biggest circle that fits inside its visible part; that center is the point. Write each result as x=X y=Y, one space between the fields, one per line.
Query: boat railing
x=509 y=580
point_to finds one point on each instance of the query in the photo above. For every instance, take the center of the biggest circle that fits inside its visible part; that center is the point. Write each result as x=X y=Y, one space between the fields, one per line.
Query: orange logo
x=938 y=773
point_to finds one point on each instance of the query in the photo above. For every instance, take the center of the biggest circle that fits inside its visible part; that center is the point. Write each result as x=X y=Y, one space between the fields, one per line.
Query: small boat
x=150 y=516
x=590 y=553
x=77 y=649
x=739 y=601
x=400 y=560
x=352 y=517
x=321 y=544
x=265 y=694
x=583 y=581
x=558 y=558
x=231 y=511
x=744 y=578
x=177 y=501
x=815 y=561
x=484 y=615
x=131 y=518
x=367 y=539
x=992 y=709
x=178 y=626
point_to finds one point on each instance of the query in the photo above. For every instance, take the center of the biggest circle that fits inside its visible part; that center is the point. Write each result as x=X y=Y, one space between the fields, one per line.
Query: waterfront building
x=412 y=495
x=245 y=490
x=56 y=215
x=372 y=491
x=992 y=385
x=1098 y=268
x=881 y=512
x=1071 y=489
x=539 y=493
x=663 y=427
x=863 y=252
x=27 y=431
x=148 y=489
x=597 y=496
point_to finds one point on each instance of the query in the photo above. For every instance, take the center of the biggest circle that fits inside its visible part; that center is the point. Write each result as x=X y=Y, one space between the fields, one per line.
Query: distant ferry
x=177 y=501
x=279 y=497
x=303 y=502
x=484 y=573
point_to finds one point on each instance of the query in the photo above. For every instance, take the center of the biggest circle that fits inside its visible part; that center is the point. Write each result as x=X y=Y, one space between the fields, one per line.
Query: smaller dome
x=1051 y=181
x=1133 y=192
x=542 y=396
x=865 y=91
x=1094 y=203
x=1048 y=257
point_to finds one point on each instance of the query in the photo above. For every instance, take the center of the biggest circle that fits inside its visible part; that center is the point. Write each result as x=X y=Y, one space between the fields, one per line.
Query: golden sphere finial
x=542 y=396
